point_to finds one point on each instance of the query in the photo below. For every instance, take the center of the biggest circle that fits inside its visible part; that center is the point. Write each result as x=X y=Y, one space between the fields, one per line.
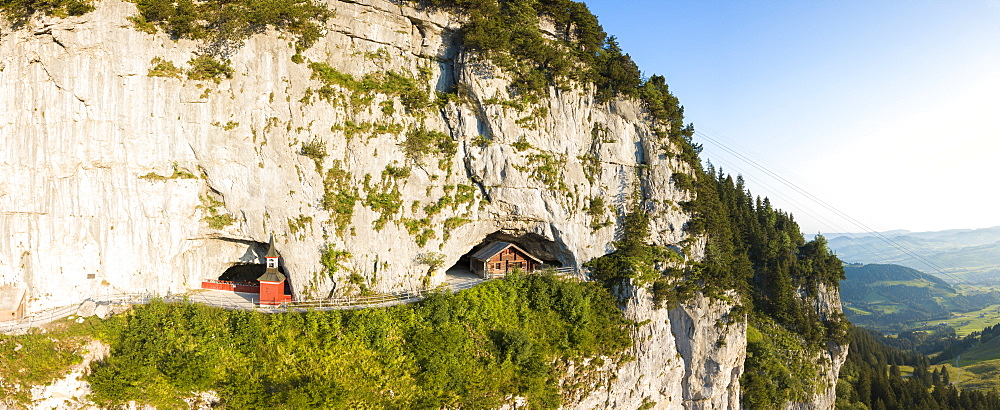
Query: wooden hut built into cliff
x=500 y=258
x=11 y=302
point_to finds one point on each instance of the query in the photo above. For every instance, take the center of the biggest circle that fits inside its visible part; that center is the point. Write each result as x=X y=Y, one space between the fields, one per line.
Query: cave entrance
x=243 y=273
x=242 y=276
x=501 y=253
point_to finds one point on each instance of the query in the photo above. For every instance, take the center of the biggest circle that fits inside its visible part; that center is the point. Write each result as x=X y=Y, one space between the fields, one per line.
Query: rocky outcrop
x=827 y=304
x=688 y=357
x=70 y=391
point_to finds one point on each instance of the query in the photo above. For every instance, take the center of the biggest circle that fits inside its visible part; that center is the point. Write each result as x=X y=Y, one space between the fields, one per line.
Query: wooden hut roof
x=271 y=275
x=494 y=248
x=11 y=297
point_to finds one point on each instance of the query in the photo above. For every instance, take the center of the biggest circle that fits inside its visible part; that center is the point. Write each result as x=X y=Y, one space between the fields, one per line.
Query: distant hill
x=973 y=255
x=893 y=297
x=883 y=296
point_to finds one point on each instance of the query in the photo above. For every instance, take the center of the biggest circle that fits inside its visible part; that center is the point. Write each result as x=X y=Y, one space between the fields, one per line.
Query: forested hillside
x=894 y=297
x=872 y=378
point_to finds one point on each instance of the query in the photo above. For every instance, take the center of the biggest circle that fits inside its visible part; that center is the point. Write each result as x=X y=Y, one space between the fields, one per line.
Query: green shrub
x=78 y=7
x=229 y=22
x=395 y=173
x=20 y=11
x=482 y=141
x=464 y=194
x=316 y=150
x=413 y=226
x=521 y=144
x=333 y=259
x=339 y=196
x=164 y=68
x=433 y=260
x=591 y=166
x=388 y=82
x=596 y=209
x=546 y=168
x=178 y=174
x=465 y=350
x=421 y=142
x=204 y=67
x=215 y=219
x=386 y=200
x=453 y=223
x=435 y=208
x=779 y=368
x=296 y=225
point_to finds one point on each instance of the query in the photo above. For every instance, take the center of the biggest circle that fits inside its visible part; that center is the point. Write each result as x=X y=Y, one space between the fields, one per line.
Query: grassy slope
x=42 y=355
x=968 y=322
x=979 y=367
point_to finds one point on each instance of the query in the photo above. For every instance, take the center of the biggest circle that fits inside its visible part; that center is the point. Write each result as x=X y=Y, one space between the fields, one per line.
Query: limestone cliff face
x=827 y=304
x=110 y=172
x=688 y=357
x=110 y=177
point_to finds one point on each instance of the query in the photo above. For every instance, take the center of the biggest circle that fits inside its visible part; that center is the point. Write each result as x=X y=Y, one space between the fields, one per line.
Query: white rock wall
x=85 y=121
x=688 y=357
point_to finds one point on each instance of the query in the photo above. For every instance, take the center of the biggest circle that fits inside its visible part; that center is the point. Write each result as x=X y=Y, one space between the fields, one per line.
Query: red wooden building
x=272 y=282
x=499 y=258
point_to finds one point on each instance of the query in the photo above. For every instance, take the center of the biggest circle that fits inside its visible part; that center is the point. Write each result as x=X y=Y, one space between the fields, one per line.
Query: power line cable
x=827 y=206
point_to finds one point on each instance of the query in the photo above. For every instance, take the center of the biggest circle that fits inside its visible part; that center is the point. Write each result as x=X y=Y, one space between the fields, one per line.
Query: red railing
x=244 y=287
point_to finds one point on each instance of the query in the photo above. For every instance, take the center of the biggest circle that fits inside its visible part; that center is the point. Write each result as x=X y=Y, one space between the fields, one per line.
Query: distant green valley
x=894 y=298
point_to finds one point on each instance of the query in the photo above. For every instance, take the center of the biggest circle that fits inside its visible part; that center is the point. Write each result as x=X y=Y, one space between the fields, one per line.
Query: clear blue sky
x=888 y=111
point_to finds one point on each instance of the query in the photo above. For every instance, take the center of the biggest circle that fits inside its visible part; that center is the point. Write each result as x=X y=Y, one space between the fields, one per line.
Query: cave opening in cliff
x=529 y=252
x=246 y=274
x=243 y=272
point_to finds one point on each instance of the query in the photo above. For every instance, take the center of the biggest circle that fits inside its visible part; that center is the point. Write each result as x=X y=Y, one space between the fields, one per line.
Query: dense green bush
x=232 y=21
x=474 y=349
x=391 y=83
x=340 y=194
x=316 y=150
x=421 y=142
x=204 y=67
x=19 y=11
x=779 y=366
